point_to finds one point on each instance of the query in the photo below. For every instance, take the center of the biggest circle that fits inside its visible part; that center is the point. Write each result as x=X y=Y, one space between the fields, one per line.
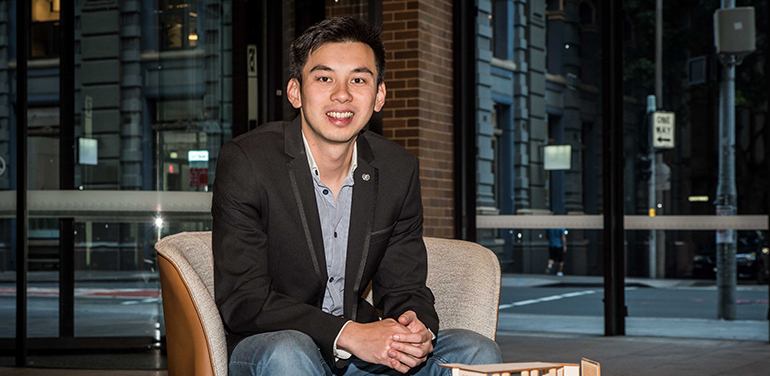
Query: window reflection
x=178 y=22
x=45 y=29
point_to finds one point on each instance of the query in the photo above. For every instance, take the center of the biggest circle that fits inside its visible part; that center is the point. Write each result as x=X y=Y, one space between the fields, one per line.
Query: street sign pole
x=663 y=124
x=734 y=38
x=651 y=190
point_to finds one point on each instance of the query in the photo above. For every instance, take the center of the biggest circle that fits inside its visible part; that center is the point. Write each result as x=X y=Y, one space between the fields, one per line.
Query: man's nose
x=341 y=93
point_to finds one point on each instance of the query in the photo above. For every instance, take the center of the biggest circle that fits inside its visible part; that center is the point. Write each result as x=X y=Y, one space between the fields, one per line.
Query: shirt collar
x=314 y=166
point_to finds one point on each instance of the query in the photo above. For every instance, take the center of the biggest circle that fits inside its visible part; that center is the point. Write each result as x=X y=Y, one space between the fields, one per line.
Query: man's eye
x=324 y=79
x=358 y=80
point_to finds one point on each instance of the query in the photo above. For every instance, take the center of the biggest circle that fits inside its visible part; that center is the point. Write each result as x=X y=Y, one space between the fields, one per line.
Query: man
x=308 y=213
x=557 y=247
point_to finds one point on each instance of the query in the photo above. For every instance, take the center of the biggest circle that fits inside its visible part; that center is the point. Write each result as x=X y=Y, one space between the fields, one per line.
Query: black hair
x=337 y=30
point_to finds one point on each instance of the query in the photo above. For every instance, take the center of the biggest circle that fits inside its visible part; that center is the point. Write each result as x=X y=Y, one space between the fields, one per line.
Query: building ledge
x=36 y=63
x=171 y=55
x=503 y=64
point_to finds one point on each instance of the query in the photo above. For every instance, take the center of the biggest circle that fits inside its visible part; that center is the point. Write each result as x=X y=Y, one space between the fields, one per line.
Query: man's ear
x=293 y=93
x=380 y=98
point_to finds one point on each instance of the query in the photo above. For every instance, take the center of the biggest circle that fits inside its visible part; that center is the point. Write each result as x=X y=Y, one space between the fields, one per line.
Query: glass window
x=8 y=129
x=179 y=24
x=152 y=110
x=693 y=174
x=45 y=29
x=672 y=269
x=146 y=120
x=540 y=106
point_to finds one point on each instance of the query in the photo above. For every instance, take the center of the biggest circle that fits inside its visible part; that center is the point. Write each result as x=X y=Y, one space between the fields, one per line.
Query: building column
x=131 y=97
x=572 y=120
x=100 y=74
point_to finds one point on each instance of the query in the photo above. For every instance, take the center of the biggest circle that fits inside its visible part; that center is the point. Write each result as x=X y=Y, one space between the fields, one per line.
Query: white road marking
x=143 y=301
x=554 y=297
x=547 y=299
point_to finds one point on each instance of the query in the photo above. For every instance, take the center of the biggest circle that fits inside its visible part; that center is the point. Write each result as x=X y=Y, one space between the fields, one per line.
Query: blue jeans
x=291 y=352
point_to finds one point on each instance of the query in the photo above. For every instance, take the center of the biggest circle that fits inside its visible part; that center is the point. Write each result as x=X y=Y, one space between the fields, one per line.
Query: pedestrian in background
x=557 y=247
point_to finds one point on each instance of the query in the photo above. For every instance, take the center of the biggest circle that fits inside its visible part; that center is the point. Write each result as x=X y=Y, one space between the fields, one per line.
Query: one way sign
x=663 y=130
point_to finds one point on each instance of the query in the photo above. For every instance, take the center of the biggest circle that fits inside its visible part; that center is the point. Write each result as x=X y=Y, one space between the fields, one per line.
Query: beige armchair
x=464 y=277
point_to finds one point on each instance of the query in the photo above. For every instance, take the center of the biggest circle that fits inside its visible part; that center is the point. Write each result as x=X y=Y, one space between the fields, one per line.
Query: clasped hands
x=401 y=345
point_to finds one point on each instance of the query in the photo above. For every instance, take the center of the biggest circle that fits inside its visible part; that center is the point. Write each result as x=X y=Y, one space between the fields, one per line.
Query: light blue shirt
x=335 y=225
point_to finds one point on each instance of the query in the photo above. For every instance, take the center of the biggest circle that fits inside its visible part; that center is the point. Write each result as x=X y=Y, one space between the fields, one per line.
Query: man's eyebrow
x=321 y=67
x=363 y=70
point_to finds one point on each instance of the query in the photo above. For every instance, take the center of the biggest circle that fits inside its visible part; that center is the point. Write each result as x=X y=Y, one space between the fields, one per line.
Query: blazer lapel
x=302 y=187
x=366 y=178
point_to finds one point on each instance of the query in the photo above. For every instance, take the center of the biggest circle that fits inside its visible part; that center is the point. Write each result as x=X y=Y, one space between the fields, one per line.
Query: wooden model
x=586 y=368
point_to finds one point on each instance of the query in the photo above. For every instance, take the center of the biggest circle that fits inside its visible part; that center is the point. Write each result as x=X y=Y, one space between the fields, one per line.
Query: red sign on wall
x=199 y=177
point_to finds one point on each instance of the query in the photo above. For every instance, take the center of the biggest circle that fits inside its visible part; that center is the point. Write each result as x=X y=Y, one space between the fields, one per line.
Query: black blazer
x=269 y=263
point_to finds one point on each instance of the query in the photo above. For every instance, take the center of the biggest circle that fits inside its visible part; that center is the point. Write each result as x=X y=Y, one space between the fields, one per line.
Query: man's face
x=338 y=93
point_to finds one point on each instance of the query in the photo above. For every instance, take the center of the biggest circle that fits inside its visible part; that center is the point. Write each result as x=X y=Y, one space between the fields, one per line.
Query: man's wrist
x=338 y=352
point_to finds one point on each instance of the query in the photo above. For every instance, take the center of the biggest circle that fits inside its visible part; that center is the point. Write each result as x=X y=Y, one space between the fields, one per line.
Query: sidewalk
x=542 y=280
x=743 y=330
x=640 y=356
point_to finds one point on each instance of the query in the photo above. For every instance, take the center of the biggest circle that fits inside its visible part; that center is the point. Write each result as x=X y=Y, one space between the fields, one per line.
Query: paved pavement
x=640 y=356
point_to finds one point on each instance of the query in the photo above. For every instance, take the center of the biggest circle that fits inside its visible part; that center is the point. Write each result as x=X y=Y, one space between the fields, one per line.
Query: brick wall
x=418 y=108
x=352 y=8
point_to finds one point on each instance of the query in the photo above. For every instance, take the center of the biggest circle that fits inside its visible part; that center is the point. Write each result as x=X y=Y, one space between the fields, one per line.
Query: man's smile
x=340 y=115
x=340 y=118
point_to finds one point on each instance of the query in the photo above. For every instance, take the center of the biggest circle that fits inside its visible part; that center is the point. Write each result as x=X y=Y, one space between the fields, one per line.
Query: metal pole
x=651 y=187
x=726 y=201
x=464 y=37
x=767 y=198
x=612 y=165
x=659 y=236
x=67 y=166
x=658 y=54
x=23 y=11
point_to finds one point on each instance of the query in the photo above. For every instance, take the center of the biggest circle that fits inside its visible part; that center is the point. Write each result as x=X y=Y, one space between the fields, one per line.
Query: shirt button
x=326 y=191
x=331 y=279
x=335 y=234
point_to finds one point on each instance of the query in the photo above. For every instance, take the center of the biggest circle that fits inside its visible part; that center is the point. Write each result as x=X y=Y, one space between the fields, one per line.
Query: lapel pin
x=366 y=177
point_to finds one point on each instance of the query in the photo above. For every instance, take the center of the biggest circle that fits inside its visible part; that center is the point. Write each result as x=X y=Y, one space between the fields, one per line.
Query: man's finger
x=398 y=366
x=407 y=317
x=416 y=351
x=419 y=337
x=405 y=359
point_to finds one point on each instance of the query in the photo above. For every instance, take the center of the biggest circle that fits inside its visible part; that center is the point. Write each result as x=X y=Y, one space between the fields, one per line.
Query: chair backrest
x=465 y=280
x=464 y=277
x=195 y=337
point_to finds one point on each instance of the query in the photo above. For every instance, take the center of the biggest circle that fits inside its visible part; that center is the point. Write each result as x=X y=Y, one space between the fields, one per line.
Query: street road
x=676 y=302
x=101 y=309
x=132 y=308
